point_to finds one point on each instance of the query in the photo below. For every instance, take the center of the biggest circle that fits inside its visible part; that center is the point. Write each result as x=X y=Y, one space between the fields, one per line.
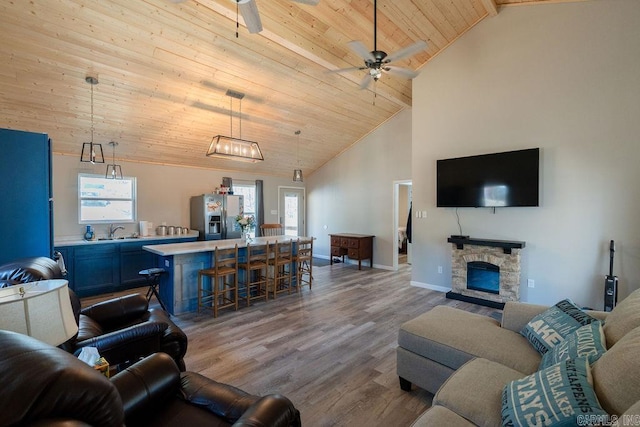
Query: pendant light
x=297 y=173
x=91 y=153
x=228 y=147
x=113 y=171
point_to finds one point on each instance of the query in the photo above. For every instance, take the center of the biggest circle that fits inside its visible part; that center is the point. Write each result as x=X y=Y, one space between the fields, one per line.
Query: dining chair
x=268 y=230
x=256 y=267
x=281 y=268
x=223 y=289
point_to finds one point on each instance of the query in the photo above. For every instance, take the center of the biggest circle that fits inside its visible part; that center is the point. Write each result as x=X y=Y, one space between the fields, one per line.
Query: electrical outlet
x=439 y=269
x=531 y=283
x=166 y=263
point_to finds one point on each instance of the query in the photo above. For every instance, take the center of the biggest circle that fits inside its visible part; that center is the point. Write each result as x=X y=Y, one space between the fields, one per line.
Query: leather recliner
x=122 y=329
x=43 y=385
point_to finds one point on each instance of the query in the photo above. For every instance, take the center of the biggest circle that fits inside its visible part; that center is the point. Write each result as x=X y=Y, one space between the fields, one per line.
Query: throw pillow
x=587 y=341
x=549 y=328
x=561 y=395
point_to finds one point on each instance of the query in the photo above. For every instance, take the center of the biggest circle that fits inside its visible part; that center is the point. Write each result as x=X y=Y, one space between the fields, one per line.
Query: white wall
x=562 y=77
x=353 y=193
x=163 y=192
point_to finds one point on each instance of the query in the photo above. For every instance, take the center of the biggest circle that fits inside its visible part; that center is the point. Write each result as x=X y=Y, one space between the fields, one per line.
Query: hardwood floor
x=331 y=350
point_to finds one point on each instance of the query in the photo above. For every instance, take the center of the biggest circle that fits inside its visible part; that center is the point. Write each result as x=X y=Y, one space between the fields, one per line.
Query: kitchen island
x=179 y=288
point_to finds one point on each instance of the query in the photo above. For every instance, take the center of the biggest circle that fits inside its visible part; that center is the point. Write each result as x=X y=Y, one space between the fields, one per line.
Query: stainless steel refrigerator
x=213 y=215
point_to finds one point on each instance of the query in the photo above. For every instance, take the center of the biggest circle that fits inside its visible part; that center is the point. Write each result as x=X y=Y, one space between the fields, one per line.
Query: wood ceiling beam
x=490 y=6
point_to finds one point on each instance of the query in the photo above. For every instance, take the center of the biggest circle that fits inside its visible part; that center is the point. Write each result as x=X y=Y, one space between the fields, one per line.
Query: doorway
x=291 y=210
x=402 y=196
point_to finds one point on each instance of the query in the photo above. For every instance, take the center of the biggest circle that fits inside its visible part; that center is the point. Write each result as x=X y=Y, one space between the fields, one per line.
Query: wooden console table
x=355 y=246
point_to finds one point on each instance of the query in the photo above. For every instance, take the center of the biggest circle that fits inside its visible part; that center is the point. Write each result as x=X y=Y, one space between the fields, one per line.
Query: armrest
x=146 y=383
x=272 y=410
x=118 y=311
x=128 y=343
x=174 y=340
x=516 y=315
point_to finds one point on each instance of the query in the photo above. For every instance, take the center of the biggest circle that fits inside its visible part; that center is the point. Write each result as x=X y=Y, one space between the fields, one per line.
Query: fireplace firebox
x=483 y=276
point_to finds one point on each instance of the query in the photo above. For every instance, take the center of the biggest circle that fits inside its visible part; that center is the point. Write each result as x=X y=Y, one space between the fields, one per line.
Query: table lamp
x=41 y=310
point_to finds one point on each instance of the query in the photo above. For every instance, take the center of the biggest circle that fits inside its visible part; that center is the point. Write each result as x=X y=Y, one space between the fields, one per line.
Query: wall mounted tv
x=489 y=180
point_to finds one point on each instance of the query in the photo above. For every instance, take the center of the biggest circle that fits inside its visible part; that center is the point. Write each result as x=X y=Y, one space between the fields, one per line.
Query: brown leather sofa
x=43 y=385
x=122 y=329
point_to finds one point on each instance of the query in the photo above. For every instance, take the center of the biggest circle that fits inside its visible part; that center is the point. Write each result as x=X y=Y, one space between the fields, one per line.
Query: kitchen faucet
x=112 y=230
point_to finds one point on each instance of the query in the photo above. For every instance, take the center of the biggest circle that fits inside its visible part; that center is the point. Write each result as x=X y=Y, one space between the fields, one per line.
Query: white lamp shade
x=39 y=309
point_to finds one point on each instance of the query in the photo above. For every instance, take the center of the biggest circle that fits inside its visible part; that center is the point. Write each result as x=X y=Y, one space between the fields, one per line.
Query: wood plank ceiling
x=164 y=69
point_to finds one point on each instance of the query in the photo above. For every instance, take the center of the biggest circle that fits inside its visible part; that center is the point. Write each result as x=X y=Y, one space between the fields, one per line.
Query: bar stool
x=255 y=266
x=222 y=292
x=304 y=263
x=280 y=264
x=152 y=275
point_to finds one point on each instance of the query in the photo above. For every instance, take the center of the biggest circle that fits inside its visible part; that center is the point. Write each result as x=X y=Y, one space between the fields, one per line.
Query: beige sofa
x=466 y=359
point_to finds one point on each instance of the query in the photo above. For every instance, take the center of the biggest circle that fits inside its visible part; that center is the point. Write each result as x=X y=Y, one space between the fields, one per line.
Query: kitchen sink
x=119 y=238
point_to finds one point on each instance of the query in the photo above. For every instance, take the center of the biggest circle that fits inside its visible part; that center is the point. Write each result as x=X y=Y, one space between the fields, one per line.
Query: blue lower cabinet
x=94 y=269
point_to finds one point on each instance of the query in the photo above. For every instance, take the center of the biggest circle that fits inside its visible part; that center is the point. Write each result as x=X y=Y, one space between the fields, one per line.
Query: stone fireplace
x=485 y=271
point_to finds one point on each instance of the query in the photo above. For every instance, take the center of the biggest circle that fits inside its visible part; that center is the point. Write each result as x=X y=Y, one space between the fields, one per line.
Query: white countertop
x=168 y=249
x=74 y=241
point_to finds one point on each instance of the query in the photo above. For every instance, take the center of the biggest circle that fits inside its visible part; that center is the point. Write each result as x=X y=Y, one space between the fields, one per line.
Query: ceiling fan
x=377 y=61
x=249 y=11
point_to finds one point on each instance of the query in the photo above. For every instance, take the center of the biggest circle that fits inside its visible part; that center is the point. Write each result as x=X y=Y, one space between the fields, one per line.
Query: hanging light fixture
x=297 y=173
x=91 y=153
x=228 y=147
x=113 y=171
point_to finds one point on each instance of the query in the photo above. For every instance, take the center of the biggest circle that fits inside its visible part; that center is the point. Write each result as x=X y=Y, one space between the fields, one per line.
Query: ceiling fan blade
x=343 y=70
x=250 y=14
x=311 y=2
x=359 y=48
x=366 y=81
x=400 y=72
x=408 y=51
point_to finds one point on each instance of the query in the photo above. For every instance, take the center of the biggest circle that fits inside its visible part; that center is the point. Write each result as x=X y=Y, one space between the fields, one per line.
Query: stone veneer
x=509 y=264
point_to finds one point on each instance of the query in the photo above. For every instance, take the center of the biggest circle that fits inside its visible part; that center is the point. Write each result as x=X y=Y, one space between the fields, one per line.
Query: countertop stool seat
x=303 y=260
x=280 y=264
x=222 y=291
x=152 y=275
x=255 y=266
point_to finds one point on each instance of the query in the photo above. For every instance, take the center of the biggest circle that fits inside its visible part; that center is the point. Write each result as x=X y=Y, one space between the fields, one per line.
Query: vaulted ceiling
x=164 y=69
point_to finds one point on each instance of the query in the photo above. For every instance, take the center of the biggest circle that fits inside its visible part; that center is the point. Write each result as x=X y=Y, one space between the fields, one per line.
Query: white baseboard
x=428 y=286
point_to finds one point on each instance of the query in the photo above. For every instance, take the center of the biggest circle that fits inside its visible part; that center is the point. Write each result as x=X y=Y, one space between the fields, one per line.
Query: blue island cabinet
x=26 y=211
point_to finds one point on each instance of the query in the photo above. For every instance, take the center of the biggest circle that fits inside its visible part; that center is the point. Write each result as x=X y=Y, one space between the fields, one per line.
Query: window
x=103 y=200
x=248 y=190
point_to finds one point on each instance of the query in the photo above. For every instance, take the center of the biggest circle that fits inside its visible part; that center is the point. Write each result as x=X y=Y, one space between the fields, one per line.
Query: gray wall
x=353 y=193
x=562 y=77
x=163 y=192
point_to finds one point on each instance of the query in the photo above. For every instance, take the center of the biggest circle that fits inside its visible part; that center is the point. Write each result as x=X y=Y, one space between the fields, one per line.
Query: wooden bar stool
x=280 y=263
x=303 y=259
x=223 y=289
x=255 y=266
x=152 y=275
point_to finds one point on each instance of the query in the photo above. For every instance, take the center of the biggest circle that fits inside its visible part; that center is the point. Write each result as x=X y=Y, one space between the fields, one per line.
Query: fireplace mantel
x=506 y=245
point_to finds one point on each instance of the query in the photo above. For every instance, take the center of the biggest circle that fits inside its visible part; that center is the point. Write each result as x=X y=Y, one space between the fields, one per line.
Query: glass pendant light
x=113 y=171
x=297 y=173
x=91 y=152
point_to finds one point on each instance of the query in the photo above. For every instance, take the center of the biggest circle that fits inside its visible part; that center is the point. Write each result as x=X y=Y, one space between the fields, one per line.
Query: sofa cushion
x=616 y=374
x=623 y=318
x=551 y=326
x=452 y=337
x=587 y=341
x=552 y=396
x=475 y=391
x=440 y=416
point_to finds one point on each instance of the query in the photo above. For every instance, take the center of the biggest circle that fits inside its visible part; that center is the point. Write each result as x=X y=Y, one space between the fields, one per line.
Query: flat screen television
x=489 y=180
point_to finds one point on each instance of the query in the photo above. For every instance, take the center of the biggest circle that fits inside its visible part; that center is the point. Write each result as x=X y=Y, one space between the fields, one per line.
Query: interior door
x=292 y=210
